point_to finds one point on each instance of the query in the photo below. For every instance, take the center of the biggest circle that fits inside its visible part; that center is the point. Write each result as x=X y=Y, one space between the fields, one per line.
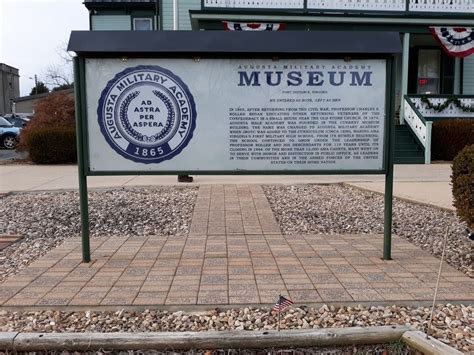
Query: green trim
x=401 y=23
x=85 y=123
x=386 y=140
x=390 y=137
x=320 y=26
x=143 y=13
x=383 y=170
x=156 y=15
x=237 y=172
x=441 y=96
x=457 y=80
x=442 y=118
x=108 y=12
x=129 y=6
x=82 y=143
x=405 y=66
x=304 y=10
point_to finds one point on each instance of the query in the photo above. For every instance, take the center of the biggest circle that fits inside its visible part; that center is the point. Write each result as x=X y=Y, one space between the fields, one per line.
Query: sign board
x=217 y=102
x=209 y=115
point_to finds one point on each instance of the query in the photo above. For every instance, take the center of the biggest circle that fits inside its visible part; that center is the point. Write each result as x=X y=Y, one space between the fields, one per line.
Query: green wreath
x=442 y=106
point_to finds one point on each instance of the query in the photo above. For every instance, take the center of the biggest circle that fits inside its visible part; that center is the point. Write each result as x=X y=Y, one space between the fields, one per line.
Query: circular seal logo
x=147 y=114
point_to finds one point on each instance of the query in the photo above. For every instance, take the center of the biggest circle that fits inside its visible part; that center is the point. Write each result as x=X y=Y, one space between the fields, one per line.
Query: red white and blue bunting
x=457 y=42
x=239 y=26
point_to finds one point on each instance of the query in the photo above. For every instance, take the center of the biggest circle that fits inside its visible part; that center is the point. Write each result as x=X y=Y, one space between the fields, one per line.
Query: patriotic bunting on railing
x=457 y=42
x=238 y=26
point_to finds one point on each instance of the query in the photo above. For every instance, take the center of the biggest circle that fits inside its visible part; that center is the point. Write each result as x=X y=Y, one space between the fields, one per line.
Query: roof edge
x=191 y=43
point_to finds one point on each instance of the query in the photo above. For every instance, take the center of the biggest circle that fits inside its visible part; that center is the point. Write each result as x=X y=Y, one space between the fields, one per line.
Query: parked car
x=17 y=120
x=8 y=134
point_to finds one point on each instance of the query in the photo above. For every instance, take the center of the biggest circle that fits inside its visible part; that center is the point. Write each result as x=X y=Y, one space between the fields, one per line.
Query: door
x=429 y=71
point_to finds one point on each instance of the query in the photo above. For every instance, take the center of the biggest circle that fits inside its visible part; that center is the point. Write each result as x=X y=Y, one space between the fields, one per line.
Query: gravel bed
x=343 y=209
x=47 y=219
x=452 y=324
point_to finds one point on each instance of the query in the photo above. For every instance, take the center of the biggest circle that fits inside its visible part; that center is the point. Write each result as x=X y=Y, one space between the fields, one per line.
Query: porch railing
x=419 y=126
x=461 y=7
x=420 y=111
x=430 y=105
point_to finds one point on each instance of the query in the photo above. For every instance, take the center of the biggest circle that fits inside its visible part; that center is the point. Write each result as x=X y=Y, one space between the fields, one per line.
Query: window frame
x=149 y=18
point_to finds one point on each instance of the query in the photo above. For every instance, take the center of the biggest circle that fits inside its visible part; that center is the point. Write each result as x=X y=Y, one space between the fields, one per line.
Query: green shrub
x=449 y=137
x=462 y=180
x=52 y=145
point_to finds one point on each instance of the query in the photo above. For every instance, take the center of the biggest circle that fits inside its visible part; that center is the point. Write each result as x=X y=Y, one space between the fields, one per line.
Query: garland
x=445 y=104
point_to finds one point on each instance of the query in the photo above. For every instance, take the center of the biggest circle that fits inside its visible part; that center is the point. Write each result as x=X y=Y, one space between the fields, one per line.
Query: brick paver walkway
x=234 y=254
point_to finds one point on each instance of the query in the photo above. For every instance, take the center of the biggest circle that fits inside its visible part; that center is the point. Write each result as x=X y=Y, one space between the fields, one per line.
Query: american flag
x=240 y=26
x=282 y=304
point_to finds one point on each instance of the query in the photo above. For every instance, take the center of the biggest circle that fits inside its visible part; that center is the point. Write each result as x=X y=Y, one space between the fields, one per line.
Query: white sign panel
x=235 y=114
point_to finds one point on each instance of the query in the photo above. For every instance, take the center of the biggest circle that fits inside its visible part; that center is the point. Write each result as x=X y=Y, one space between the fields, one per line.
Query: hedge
x=449 y=137
x=50 y=135
x=52 y=145
x=462 y=180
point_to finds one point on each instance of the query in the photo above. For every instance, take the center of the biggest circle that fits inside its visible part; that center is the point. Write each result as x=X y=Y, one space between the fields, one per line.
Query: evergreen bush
x=52 y=145
x=462 y=180
x=449 y=137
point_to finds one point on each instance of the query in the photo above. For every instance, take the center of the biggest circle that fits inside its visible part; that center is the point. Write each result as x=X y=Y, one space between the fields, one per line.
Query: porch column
x=175 y=15
x=457 y=76
x=404 y=87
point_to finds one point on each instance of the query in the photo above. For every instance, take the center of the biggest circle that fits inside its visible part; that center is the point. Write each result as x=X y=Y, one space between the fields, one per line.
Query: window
x=142 y=24
x=429 y=68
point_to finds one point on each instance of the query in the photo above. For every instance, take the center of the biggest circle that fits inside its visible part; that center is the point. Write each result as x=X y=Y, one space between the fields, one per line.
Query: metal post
x=78 y=85
x=387 y=229
x=36 y=83
x=404 y=88
x=429 y=129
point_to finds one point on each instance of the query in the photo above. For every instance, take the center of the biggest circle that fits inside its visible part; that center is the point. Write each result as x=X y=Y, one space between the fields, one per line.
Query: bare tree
x=57 y=75
x=60 y=74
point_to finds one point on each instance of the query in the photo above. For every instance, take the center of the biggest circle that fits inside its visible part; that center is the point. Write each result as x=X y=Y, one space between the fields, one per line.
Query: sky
x=32 y=32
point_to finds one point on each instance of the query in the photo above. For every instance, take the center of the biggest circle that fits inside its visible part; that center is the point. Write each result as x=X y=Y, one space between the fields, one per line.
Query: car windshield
x=5 y=123
x=17 y=121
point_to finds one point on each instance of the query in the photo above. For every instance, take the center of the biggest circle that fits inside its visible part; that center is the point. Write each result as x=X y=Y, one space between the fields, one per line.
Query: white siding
x=468 y=76
x=110 y=23
x=184 y=23
x=167 y=14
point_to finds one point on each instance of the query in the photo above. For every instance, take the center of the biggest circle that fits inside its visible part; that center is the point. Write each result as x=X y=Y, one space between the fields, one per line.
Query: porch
x=419 y=113
x=397 y=6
